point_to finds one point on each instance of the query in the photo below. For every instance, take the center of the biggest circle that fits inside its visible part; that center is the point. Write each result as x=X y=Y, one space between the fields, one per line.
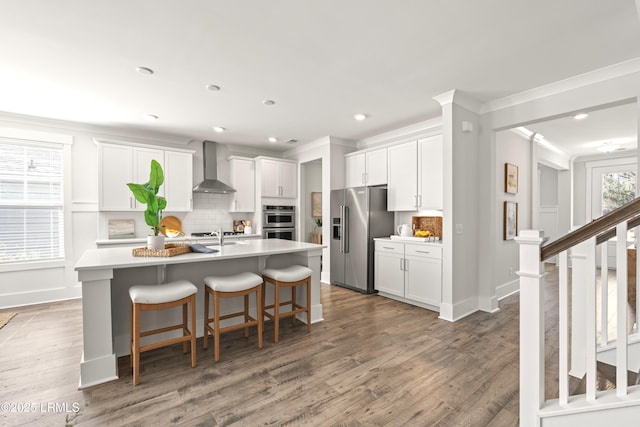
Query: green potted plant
x=147 y=193
x=318 y=222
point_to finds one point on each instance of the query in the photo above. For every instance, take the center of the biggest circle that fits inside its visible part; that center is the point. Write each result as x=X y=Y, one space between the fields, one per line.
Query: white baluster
x=621 y=334
x=589 y=291
x=563 y=326
x=578 y=338
x=604 y=294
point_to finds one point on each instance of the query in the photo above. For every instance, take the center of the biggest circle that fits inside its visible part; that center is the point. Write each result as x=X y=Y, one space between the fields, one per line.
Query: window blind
x=31 y=202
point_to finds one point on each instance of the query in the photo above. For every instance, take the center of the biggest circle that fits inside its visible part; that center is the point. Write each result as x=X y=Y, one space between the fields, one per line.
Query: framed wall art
x=316 y=204
x=510 y=178
x=510 y=220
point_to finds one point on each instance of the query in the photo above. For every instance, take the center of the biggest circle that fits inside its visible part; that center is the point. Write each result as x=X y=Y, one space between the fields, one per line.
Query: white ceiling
x=321 y=62
x=578 y=138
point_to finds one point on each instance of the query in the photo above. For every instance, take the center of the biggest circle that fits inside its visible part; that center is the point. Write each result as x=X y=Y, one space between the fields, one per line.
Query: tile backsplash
x=209 y=211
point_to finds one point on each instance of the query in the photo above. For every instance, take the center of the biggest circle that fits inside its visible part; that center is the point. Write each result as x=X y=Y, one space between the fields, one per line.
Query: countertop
x=413 y=242
x=143 y=240
x=121 y=257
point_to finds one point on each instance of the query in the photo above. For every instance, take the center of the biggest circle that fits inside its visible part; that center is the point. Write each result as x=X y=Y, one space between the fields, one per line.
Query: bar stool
x=238 y=285
x=160 y=297
x=289 y=277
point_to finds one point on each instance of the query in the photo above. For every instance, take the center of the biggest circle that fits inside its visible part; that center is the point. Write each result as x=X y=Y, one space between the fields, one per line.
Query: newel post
x=531 y=275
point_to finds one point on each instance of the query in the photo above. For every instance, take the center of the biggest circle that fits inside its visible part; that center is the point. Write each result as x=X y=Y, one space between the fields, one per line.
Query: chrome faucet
x=220 y=235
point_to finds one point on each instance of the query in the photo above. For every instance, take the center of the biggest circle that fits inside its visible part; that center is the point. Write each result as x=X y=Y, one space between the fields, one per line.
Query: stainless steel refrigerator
x=357 y=216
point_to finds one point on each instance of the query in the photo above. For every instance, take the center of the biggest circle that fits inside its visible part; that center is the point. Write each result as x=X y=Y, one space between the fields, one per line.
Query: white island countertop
x=107 y=273
x=98 y=259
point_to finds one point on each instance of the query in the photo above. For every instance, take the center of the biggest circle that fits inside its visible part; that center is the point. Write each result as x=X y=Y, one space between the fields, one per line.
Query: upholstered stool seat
x=288 y=277
x=242 y=284
x=160 y=297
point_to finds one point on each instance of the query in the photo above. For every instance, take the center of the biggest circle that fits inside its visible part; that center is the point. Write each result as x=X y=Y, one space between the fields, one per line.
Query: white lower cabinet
x=409 y=272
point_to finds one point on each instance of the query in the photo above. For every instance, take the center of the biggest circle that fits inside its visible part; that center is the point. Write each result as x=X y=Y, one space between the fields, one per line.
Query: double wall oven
x=279 y=222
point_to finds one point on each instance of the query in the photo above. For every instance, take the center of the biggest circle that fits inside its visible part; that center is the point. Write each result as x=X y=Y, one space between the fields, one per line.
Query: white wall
x=514 y=149
x=311 y=181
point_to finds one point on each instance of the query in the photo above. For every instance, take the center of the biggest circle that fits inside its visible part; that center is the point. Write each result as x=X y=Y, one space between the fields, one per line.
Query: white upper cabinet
x=178 y=181
x=402 y=188
x=369 y=168
x=430 y=173
x=279 y=178
x=376 y=173
x=119 y=164
x=115 y=170
x=242 y=177
x=355 y=170
x=415 y=175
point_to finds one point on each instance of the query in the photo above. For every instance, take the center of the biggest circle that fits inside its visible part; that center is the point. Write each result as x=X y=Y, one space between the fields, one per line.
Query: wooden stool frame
x=188 y=335
x=216 y=330
x=295 y=307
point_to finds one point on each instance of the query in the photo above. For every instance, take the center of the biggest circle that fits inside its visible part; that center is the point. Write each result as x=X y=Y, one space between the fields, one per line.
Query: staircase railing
x=578 y=348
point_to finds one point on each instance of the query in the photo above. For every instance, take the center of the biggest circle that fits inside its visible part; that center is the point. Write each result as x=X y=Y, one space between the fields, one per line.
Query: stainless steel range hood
x=211 y=184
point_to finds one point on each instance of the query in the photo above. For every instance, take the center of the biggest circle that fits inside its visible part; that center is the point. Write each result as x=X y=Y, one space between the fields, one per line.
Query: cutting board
x=170 y=222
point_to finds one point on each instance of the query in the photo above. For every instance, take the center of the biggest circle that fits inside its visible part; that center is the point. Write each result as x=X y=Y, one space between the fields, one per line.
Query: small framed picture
x=510 y=221
x=510 y=178
x=316 y=204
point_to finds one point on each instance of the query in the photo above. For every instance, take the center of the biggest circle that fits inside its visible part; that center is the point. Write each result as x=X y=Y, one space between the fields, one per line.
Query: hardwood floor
x=372 y=362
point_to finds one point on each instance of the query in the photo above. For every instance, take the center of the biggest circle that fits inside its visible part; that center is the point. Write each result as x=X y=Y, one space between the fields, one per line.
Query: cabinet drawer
x=391 y=247
x=426 y=251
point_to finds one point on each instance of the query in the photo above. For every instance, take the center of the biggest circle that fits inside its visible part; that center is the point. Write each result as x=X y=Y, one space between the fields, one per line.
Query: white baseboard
x=40 y=297
x=507 y=289
x=459 y=310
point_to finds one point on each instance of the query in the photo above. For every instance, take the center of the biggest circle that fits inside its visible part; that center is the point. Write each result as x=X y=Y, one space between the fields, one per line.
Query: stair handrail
x=602 y=227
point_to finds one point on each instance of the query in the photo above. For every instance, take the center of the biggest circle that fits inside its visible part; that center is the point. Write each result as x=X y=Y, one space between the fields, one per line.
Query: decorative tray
x=170 y=249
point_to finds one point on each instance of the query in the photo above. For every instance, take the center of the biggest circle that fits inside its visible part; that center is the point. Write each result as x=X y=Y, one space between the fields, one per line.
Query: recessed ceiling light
x=144 y=70
x=268 y=102
x=359 y=116
x=272 y=139
x=219 y=129
x=151 y=117
x=609 y=147
x=581 y=116
x=213 y=88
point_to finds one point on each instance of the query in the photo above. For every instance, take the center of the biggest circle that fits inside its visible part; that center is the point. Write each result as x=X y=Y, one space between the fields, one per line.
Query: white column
x=98 y=364
x=531 y=327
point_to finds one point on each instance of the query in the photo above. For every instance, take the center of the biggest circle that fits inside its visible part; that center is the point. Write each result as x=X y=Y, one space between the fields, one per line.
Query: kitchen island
x=107 y=273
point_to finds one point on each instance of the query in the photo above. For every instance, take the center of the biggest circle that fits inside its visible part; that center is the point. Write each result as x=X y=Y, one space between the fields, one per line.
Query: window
x=618 y=188
x=31 y=202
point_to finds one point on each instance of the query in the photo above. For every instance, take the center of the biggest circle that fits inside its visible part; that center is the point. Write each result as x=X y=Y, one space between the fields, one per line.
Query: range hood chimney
x=211 y=183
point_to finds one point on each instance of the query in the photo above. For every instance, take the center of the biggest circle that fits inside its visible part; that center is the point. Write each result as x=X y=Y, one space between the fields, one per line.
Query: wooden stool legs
x=295 y=307
x=248 y=320
x=188 y=335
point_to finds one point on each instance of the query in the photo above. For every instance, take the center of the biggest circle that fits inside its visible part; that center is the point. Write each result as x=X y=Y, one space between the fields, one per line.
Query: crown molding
x=107 y=132
x=459 y=98
x=607 y=73
x=423 y=128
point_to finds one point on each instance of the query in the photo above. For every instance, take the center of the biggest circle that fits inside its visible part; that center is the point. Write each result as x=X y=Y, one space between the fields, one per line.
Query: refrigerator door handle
x=345 y=236
x=341 y=228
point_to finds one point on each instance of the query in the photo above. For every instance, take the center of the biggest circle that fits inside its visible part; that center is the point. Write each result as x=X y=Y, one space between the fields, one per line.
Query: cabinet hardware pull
x=423 y=252
x=387 y=247
x=402 y=264
x=406 y=264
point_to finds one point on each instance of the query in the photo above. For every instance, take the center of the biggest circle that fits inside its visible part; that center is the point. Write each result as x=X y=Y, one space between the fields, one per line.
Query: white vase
x=155 y=242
